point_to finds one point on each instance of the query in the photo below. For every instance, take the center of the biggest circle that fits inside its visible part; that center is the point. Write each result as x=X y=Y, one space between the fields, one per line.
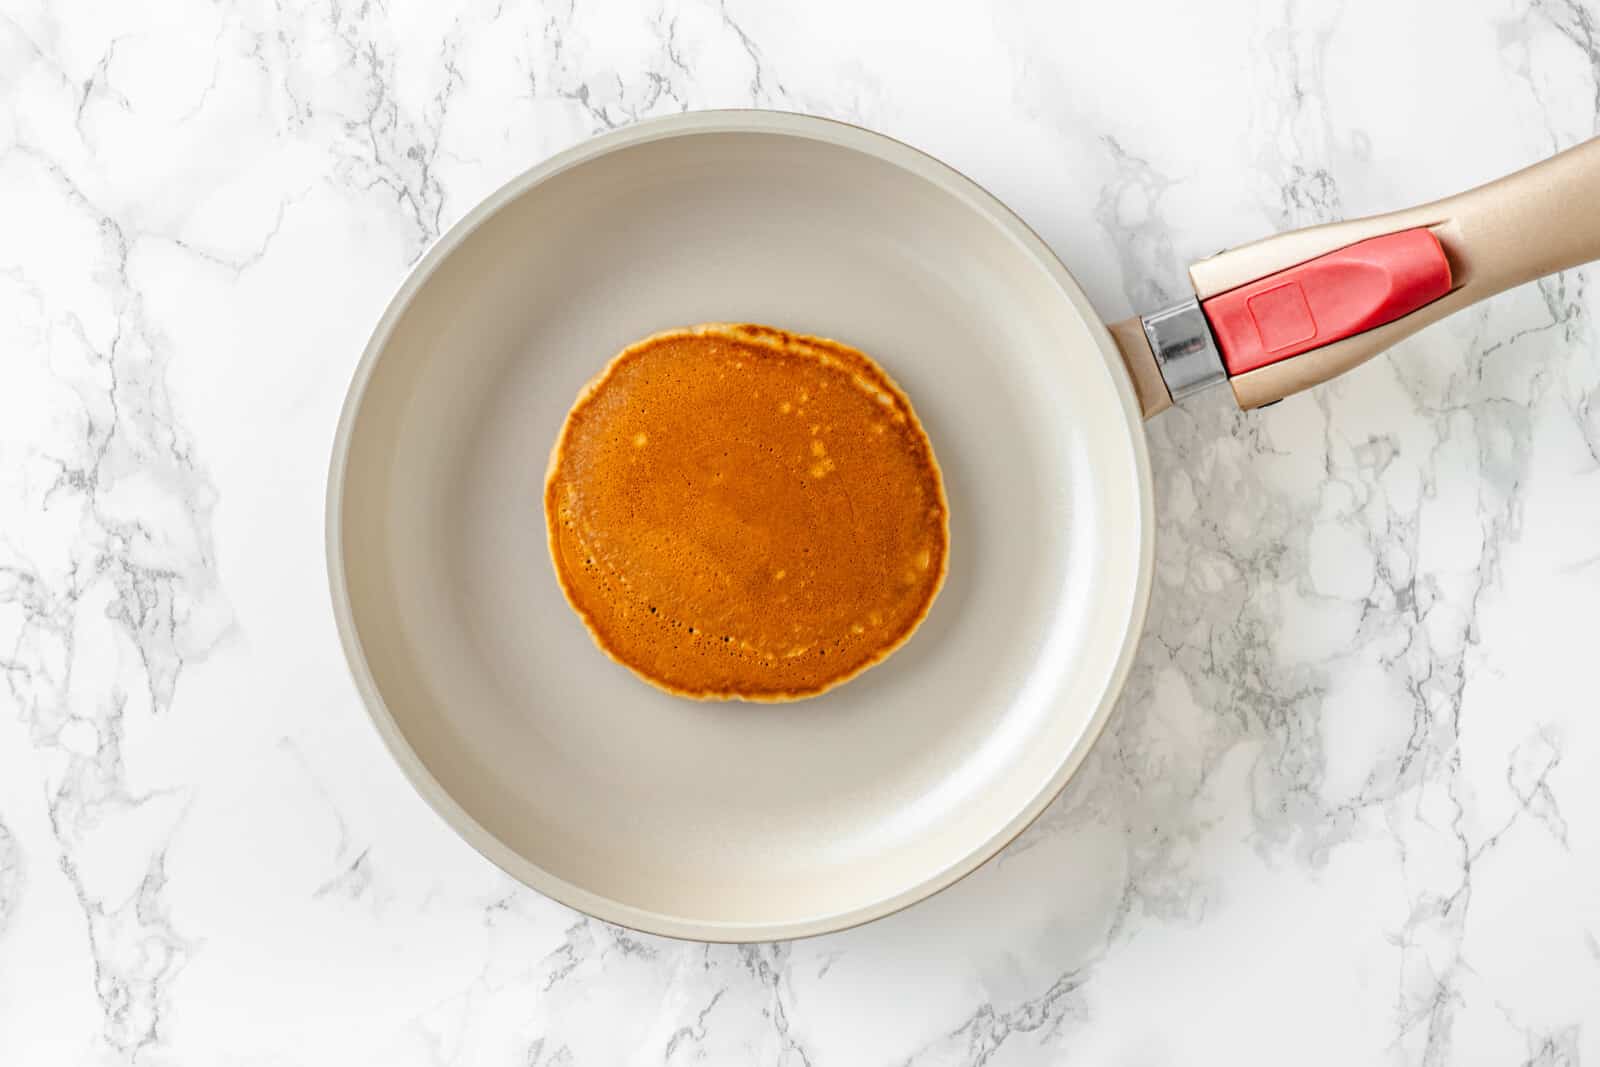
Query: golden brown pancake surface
x=735 y=511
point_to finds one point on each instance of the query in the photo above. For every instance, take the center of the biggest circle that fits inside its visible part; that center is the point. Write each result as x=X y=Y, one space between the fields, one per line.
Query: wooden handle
x=1532 y=223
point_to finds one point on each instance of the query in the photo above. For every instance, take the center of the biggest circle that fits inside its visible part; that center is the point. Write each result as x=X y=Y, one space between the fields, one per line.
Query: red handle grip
x=1323 y=300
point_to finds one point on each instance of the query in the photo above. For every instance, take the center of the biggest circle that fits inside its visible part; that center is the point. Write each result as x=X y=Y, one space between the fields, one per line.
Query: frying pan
x=739 y=822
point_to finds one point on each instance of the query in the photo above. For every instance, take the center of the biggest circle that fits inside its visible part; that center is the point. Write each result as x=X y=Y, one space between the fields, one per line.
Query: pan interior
x=731 y=819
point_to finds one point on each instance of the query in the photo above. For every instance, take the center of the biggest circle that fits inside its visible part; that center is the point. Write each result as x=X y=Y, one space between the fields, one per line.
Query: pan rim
x=513 y=863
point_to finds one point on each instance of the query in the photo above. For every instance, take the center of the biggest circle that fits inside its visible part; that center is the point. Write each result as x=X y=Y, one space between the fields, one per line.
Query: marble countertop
x=1347 y=812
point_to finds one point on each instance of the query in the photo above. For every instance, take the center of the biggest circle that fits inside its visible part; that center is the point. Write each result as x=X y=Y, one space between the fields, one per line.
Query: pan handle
x=1291 y=311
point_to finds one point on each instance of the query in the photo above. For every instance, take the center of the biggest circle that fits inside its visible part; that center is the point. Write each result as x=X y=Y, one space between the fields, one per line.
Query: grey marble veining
x=1346 y=811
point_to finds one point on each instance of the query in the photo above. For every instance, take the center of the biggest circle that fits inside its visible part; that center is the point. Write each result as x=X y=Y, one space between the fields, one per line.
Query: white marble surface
x=1348 y=812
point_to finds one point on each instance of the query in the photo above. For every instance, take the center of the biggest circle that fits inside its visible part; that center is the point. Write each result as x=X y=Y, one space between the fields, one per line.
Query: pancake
x=736 y=512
